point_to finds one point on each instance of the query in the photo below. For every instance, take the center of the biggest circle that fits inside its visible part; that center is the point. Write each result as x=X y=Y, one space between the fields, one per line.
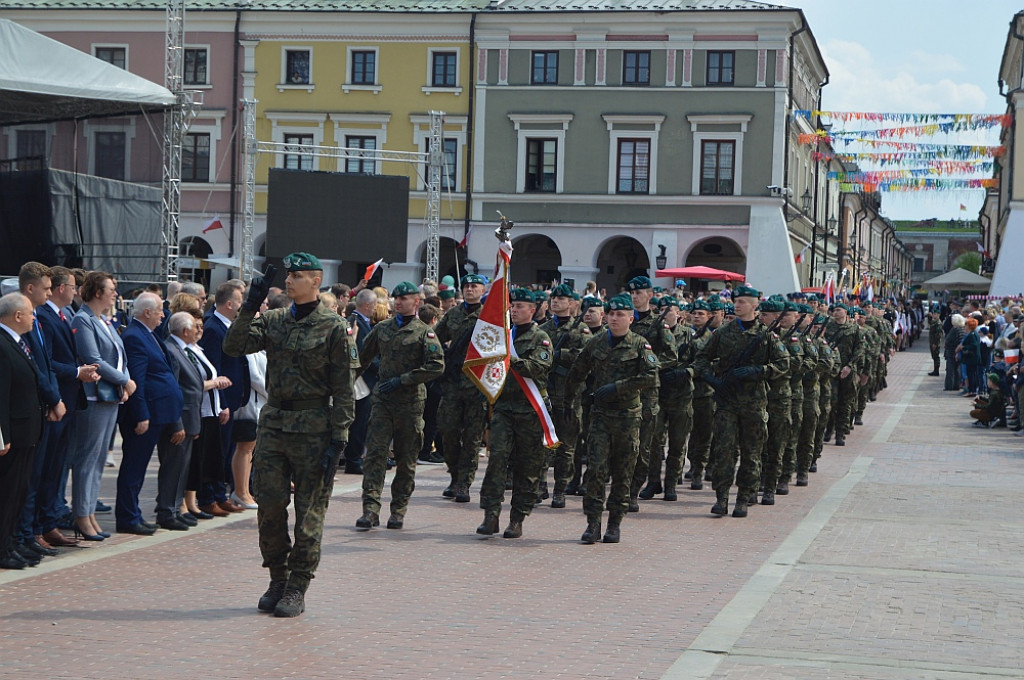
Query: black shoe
x=688 y=474
x=593 y=533
x=273 y=595
x=670 y=493
x=102 y=507
x=740 y=510
x=934 y=374
x=390 y=463
x=782 y=488
x=29 y=556
x=137 y=529
x=858 y=421
x=353 y=467
x=173 y=524
x=828 y=435
x=462 y=493
x=40 y=550
x=707 y=475
x=8 y=561
x=840 y=440
x=768 y=498
x=801 y=479
x=201 y=515
x=558 y=500
x=720 y=508
x=633 y=505
x=489 y=526
x=611 y=535
x=187 y=519
x=696 y=484
x=573 y=488
x=650 y=491
x=544 y=495
x=752 y=498
x=431 y=458
x=395 y=522
x=514 y=529
x=368 y=521
x=813 y=468
x=291 y=604
x=449 y=491
x=149 y=525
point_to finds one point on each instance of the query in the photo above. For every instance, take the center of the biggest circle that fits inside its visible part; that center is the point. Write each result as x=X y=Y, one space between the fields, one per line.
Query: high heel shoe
x=104 y=534
x=86 y=537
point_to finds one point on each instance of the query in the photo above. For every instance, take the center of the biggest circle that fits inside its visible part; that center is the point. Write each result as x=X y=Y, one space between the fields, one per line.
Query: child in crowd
x=990 y=411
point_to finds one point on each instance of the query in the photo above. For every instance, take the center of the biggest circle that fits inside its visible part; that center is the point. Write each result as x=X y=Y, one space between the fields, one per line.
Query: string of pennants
x=927 y=161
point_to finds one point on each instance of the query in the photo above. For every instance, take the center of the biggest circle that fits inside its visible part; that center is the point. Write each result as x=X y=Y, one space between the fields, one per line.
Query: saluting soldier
x=567 y=335
x=740 y=356
x=462 y=415
x=517 y=438
x=623 y=366
x=410 y=356
x=303 y=427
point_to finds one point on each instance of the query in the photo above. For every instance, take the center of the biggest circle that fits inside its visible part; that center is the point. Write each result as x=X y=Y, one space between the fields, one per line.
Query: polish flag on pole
x=800 y=256
x=1011 y=356
x=830 y=288
x=215 y=223
x=487 y=357
x=464 y=243
x=372 y=269
x=981 y=249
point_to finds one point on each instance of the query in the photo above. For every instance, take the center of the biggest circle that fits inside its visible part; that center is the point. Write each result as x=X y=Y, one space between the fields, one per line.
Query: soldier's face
x=642 y=298
x=745 y=307
x=839 y=315
x=447 y=304
x=522 y=312
x=700 y=317
x=560 y=305
x=406 y=305
x=303 y=287
x=594 y=316
x=788 y=319
x=619 y=321
x=672 y=316
x=472 y=292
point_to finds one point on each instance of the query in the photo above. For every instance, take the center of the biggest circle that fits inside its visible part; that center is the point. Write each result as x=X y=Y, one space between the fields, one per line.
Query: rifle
x=562 y=370
x=725 y=387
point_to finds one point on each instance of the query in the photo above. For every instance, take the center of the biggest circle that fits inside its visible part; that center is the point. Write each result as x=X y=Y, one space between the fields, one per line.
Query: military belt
x=299 y=404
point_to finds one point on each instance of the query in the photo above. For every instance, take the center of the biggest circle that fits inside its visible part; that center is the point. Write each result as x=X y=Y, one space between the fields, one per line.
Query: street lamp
x=660 y=260
x=805 y=201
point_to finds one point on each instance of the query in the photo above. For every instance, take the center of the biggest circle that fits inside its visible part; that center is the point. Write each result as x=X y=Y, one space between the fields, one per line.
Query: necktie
x=24 y=348
x=193 y=359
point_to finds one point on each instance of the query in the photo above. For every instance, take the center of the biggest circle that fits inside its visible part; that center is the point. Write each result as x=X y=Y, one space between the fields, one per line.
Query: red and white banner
x=487 y=357
x=372 y=269
x=536 y=400
x=215 y=223
x=1012 y=356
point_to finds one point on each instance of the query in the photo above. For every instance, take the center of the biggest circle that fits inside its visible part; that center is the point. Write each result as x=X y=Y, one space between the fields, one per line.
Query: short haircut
x=428 y=313
x=226 y=291
x=32 y=272
x=179 y=321
x=12 y=303
x=278 y=301
x=365 y=297
x=79 y=275
x=145 y=302
x=60 y=275
x=93 y=285
x=193 y=288
x=173 y=288
x=341 y=290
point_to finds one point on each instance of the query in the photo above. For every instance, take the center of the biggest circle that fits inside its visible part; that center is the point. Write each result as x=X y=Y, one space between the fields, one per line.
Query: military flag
x=487 y=357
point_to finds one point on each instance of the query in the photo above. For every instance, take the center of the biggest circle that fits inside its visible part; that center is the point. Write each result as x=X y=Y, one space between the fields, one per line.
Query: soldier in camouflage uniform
x=888 y=347
x=623 y=366
x=517 y=438
x=739 y=357
x=462 y=415
x=311 y=362
x=675 y=408
x=936 y=338
x=698 y=449
x=828 y=370
x=410 y=355
x=812 y=395
x=800 y=364
x=651 y=326
x=843 y=334
x=869 y=364
x=779 y=409
x=567 y=335
x=592 y=310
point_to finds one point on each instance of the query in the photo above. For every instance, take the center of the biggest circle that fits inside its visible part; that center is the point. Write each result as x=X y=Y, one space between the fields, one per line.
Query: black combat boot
x=740 y=509
x=768 y=498
x=515 y=525
x=782 y=488
x=611 y=535
x=396 y=521
x=273 y=595
x=828 y=436
x=697 y=483
x=814 y=467
x=801 y=479
x=368 y=521
x=593 y=533
x=670 y=491
x=634 y=506
x=650 y=490
x=840 y=440
x=558 y=500
x=721 y=506
x=752 y=498
x=573 y=488
x=489 y=526
x=544 y=495
x=449 y=491
x=462 y=493
x=291 y=604
x=857 y=420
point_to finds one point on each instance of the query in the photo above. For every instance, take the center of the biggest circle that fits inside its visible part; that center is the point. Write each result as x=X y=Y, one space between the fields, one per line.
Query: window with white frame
x=297 y=129
x=197 y=66
x=444 y=69
x=364 y=67
x=110 y=157
x=297 y=66
x=295 y=160
x=633 y=152
x=717 y=170
x=718 y=154
x=452 y=143
x=634 y=166
x=117 y=55
x=540 y=153
x=361 y=164
x=195 y=157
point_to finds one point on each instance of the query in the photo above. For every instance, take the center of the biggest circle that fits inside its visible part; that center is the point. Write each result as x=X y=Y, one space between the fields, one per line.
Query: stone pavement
x=901 y=561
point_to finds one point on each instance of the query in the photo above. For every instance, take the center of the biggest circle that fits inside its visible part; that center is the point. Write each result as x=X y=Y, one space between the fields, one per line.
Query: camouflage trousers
x=648 y=421
x=740 y=432
x=567 y=427
x=674 y=424
x=844 y=395
x=613 y=442
x=699 y=449
x=462 y=418
x=824 y=416
x=796 y=418
x=400 y=422
x=281 y=458
x=808 y=426
x=780 y=416
x=863 y=392
x=516 y=447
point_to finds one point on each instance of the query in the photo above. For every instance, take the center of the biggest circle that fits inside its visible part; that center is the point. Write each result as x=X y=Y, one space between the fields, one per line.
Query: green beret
x=746 y=291
x=771 y=305
x=659 y=289
x=821 y=319
x=472 y=278
x=668 y=301
x=730 y=310
x=521 y=295
x=405 y=288
x=301 y=262
x=994 y=377
x=685 y=307
x=575 y=296
x=788 y=306
x=715 y=304
x=540 y=296
x=448 y=280
x=858 y=310
x=699 y=305
x=622 y=301
x=812 y=298
x=561 y=290
x=446 y=294
x=804 y=309
x=589 y=302
x=655 y=301
x=777 y=296
x=637 y=283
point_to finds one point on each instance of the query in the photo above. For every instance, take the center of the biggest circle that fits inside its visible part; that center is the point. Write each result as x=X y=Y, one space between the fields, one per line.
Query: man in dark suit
x=366 y=301
x=153 y=412
x=21 y=422
x=39 y=518
x=228 y=300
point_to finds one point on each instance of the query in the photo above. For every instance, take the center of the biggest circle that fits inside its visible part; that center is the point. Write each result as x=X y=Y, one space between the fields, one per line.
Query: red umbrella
x=706 y=273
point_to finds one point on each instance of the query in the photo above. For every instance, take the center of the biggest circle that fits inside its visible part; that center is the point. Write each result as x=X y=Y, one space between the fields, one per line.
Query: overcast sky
x=915 y=56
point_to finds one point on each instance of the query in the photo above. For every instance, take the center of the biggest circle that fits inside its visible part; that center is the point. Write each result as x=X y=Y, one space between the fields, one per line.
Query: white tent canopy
x=958 y=279
x=43 y=80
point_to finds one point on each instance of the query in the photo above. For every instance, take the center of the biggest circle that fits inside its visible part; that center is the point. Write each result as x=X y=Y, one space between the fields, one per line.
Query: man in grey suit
x=174 y=458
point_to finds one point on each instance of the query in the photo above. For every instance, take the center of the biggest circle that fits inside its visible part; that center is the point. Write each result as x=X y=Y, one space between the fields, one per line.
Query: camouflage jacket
x=872 y=347
x=567 y=338
x=533 y=359
x=629 y=363
x=886 y=339
x=453 y=331
x=308 y=361
x=811 y=348
x=676 y=378
x=730 y=341
x=410 y=352
x=700 y=338
x=798 y=361
x=935 y=333
x=652 y=329
x=846 y=338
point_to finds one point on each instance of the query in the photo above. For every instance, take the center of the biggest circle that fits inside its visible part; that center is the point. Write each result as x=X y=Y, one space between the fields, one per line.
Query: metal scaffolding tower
x=434 y=160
